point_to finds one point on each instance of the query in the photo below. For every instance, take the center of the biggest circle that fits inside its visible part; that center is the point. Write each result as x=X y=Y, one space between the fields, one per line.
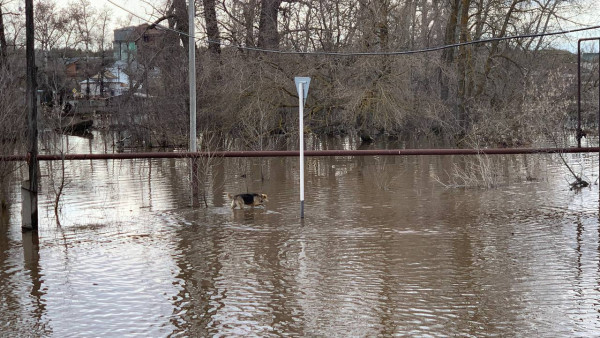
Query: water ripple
x=400 y=255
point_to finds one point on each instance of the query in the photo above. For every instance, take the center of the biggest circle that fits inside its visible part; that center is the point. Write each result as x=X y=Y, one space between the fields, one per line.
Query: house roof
x=134 y=33
x=114 y=74
x=69 y=61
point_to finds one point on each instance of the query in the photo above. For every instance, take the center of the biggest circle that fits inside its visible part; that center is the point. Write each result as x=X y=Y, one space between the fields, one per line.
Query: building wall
x=124 y=43
x=124 y=50
x=129 y=40
x=110 y=88
x=71 y=69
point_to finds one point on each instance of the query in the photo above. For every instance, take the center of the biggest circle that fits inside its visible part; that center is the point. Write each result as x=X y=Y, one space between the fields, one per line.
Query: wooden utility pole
x=30 y=187
x=192 y=87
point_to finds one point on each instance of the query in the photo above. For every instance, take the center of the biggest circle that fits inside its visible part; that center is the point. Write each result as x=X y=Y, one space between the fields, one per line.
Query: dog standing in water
x=252 y=200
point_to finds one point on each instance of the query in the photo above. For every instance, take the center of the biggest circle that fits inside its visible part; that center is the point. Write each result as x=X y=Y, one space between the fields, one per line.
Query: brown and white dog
x=252 y=200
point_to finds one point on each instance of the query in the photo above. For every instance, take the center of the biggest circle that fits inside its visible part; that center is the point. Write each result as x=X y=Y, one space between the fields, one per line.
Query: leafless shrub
x=56 y=170
x=380 y=173
x=491 y=171
x=12 y=122
x=202 y=168
x=480 y=171
x=535 y=109
x=477 y=90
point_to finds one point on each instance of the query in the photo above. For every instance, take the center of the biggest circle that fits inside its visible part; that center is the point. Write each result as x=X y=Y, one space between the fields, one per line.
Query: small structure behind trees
x=110 y=82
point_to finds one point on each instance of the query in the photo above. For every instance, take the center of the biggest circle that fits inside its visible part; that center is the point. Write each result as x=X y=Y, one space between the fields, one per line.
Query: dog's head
x=263 y=198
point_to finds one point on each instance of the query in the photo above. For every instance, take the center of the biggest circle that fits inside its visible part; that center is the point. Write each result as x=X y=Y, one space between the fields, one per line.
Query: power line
x=417 y=51
x=392 y=53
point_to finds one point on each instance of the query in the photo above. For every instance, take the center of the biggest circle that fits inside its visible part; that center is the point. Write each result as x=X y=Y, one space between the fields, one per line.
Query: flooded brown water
x=388 y=247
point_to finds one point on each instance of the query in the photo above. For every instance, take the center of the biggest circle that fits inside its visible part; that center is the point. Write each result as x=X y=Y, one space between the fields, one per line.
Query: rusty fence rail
x=291 y=153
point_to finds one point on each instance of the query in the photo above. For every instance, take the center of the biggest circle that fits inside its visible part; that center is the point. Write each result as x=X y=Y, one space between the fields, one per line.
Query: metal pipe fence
x=291 y=153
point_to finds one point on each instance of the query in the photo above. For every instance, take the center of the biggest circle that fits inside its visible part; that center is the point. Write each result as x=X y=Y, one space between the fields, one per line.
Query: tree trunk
x=180 y=21
x=382 y=29
x=212 y=27
x=249 y=9
x=448 y=53
x=424 y=24
x=268 y=36
x=495 y=44
x=464 y=67
x=2 y=41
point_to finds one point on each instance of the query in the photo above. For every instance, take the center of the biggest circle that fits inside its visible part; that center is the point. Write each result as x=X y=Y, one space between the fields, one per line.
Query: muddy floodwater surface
x=388 y=246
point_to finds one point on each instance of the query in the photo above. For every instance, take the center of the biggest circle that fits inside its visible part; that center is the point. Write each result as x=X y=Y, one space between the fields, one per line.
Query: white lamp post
x=302 y=84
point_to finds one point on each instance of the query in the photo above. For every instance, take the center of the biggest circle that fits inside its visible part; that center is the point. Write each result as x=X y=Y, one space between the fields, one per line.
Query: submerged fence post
x=302 y=84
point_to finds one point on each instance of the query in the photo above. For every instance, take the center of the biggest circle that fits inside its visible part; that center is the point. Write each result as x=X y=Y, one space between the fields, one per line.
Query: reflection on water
x=385 y=249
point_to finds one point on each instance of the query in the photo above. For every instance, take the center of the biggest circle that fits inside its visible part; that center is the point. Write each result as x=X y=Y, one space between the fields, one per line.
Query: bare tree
x=12 y=122
x=178 y=20
x=103 y=19
x=212 y=26
x=83 y=15
x=3 y=45
x=247 y=94
x=268 y=36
